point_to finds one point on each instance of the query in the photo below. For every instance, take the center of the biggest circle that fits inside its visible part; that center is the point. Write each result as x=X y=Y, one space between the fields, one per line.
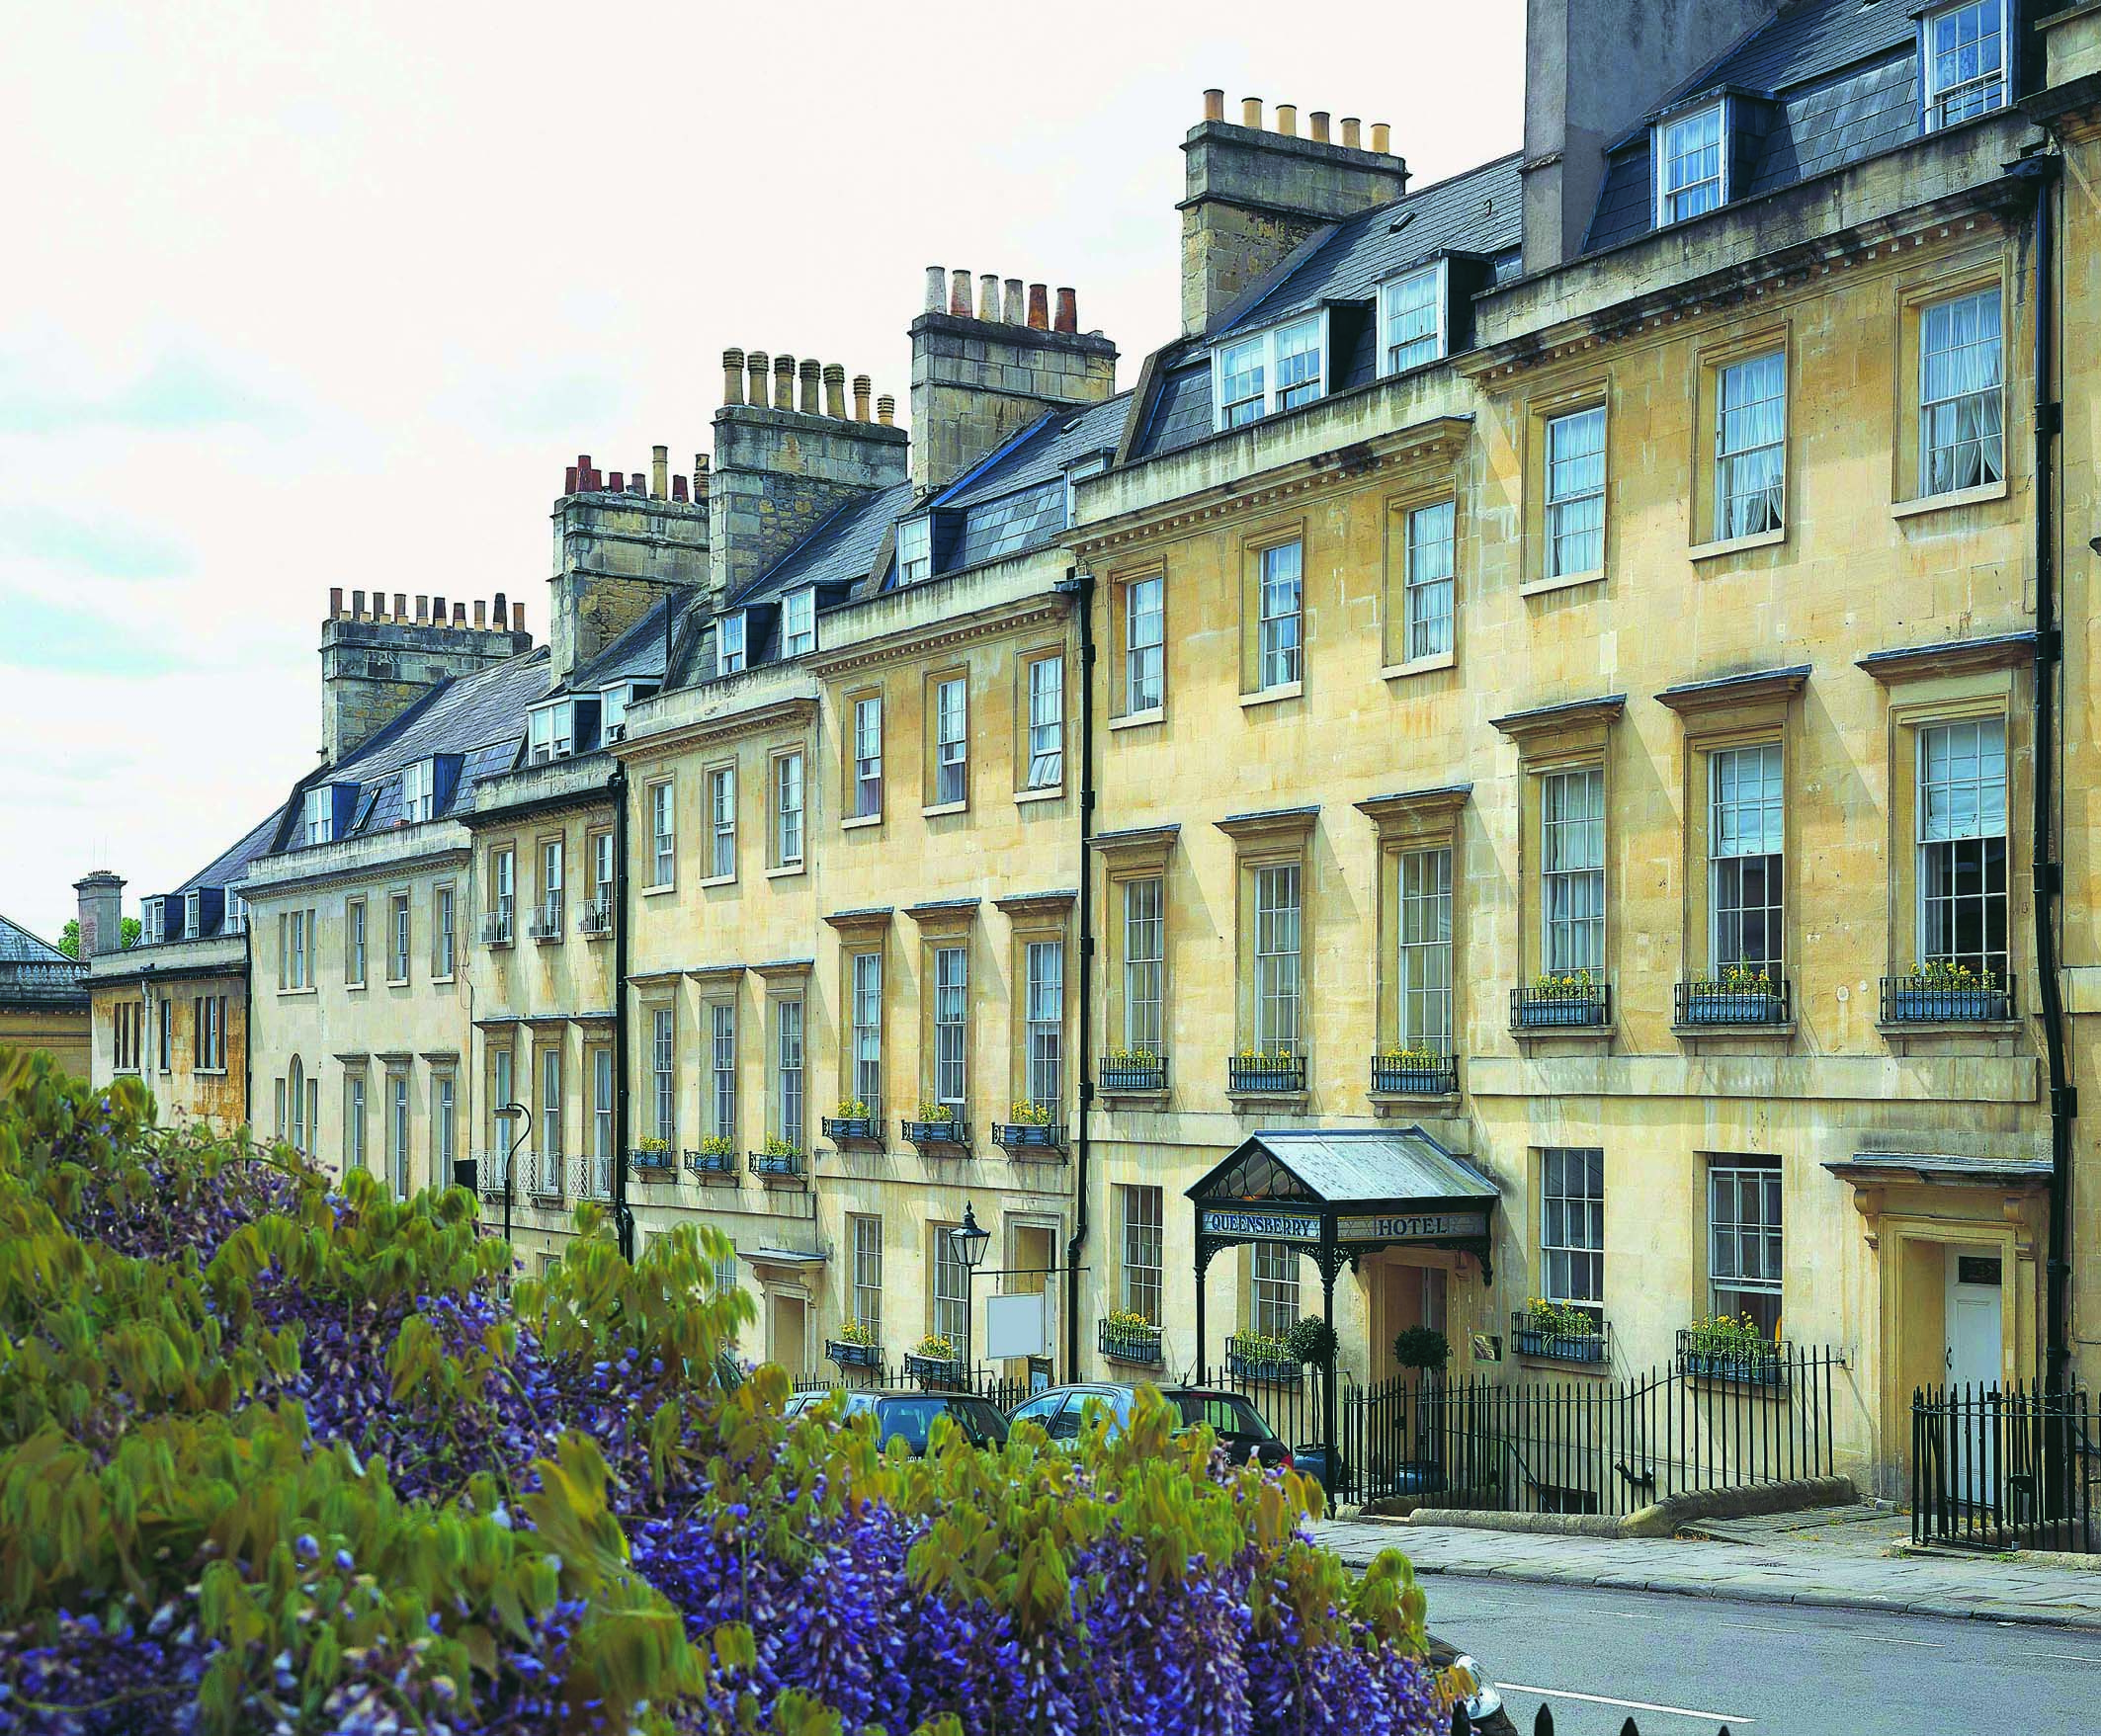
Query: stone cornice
x=1440 y=437
x=1052 y=903
x=1951 y=658
x=935 y=635
x=861 y=924
x=1413 y=812
x=798 y=710
x=943 y=916
x=1271 y=826
x=1728 y=691
x=1136 y=846
x=1578 y=718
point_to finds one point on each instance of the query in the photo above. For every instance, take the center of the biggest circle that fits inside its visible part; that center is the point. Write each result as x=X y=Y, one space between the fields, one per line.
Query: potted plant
x=853 y=1119
x=1028 y=1123
x=1417 y=1068
x=1560 y=1329
x=1744 y=994
x=1311 y=1340
x=933 y=1358
x=1571 y=997
x=652 y=1154
x=1129 y=1337
x=1256 y=1355
x=858 y=1346
x=776 y=1158
x=938 y=1123
x=1133 y=1069
x=1727 y=1348
x=1940 y=988
x=717 y=1155
x=1422 y=1348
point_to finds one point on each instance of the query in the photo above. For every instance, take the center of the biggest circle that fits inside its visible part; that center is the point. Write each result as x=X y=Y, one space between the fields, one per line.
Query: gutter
x=1079 y=585
x=2042 y=173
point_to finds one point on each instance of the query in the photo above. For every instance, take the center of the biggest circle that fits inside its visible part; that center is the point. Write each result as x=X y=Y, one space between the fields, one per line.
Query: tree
x=128 y=932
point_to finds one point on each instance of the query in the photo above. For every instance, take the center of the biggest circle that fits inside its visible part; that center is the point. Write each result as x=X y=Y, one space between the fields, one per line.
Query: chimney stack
x=375 y=665
x=1252 y=196
x=99 y=907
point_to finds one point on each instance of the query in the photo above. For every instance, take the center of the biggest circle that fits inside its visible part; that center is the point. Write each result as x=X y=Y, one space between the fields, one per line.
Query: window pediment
x=1416 y=813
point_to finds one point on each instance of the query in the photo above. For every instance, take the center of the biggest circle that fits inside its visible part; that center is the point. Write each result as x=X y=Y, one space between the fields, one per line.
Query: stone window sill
x=1736 y=544
x=1050 y=793
x=1420 y=665
x=937 y=809
x=1934 y=503
x=1140 y=719
x=719 y=880
x=860 y=822
x=1269 y=696
x=659 y=891
x=1561 y=582
x=783 y=870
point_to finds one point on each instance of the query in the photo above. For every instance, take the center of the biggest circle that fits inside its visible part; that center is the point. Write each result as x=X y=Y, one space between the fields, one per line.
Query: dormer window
x=1273 y=370
x=236 y=911
x=799 y=624
x=730 y=644
x=1966 y=62
x=154 y=921
x=1092 y=465
x=193 y=914
x=614 y=703
x=552 y=732
x=1412 y=321
x=1692 y=165
x=419 y=791
x=915 y=550
x=317 y=815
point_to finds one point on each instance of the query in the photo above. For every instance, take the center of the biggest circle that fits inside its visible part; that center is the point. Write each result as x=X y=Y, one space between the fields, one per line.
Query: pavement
x=1814 y=1560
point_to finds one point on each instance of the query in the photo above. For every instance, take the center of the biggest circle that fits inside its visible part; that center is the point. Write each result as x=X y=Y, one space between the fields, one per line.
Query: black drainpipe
x=247 y=1017
x=623 y=1216
x=2042 y=172
x=1079 y=585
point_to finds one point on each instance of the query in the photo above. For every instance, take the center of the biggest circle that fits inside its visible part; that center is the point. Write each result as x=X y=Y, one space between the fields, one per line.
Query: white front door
x=1975 y=1352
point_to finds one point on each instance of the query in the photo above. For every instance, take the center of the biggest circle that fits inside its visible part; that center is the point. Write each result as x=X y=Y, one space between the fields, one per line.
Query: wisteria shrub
x=279 y=1452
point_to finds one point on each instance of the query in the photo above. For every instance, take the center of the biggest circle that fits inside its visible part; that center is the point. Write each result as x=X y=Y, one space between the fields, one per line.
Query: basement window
x=1412 y=321
x=1269 y=371
x=1692 y=165
x=1966 y=62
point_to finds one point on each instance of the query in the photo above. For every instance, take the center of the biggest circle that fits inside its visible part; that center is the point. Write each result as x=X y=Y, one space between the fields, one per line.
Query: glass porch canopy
x=1336 y=1195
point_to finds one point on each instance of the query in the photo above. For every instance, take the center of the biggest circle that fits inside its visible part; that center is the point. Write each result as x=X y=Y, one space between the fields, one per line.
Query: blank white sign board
x=1016 y=1326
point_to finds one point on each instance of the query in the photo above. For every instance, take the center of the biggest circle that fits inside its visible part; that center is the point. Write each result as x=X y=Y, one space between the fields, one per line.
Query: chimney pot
x=499 y=608
x=1382 y=138
x=835 y=391
x=988 y=298
x=937 y=288
x=1351 y=133
x=1318 y=121
x=784 y=382
x=1038 y=308
x=808 y=374
x=1288 y=120
x=335 y=601
x=1016 y=311
x=357 y=605
x=569 y=480
x=401 y=605
x=960 y=292
x=1252 y=112
x=862 y=386
x=732 y=376
x=678 y=487
x=699 y=475
x=460 y=615
x=618 y=482
x=518 y=625
x=1214 y=104
x=423 y=609
x=887 y=410
x=635 y=485
x=756 y=362
x=1068 y=311
x=481 y=615
x=659 y=471
x=438 y=611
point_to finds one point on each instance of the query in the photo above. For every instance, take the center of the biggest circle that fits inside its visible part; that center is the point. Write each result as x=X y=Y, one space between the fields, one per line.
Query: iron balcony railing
x=1132 y=1071
x=1257 y=1073
x=1028 y=1137
x=496 y=926
x=776 y=1163
x=1568 y=1006
x=707 y=1164
x=1702 y=1002
x=595 y=920
x=1764 y=1363
x=949 y=1131
x=1532 y=1337
x=1415 y=1075
x=857 y=1129
x=489 y=1173
x=546 y=920
x=595 y=1176
x=544 y=1172
x=1929 y=998
x=655 y=1161
x=1130 y=1344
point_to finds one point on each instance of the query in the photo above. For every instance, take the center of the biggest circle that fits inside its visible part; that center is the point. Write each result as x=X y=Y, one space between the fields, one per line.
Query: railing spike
x=1628 y=1729
x=1461 y=1724
x=1542 y=1720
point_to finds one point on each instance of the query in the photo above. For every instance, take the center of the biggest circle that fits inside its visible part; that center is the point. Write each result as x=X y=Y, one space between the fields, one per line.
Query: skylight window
x=1273 y=370
x=1691 y=166
x=1412 y=321
x=915 y=550
x=1966 y=62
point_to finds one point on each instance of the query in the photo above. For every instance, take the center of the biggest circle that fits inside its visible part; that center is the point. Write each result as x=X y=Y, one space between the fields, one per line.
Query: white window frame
x=354 y=1129
x=1045 y=1031
x=664 y=1074
x=952 y=740
x=867 y=757
x=1572 y=873
x=399 y=951
x=601 y=1094
x=1272 y=1288
x=1987 y=402
x=1747 y=824
x=419 y=791
x=1746 y=1250
x=722 y=1069
x=1280 y=642
x=445 y=1128
x=952 y=1024
x=1745 y=505
x=1573 y=1226
x=866 y=1010
x=1668 y=211
x=554 y=888
x=1429 y=582
x=235 y=921
x=915 y=550
x=552 y=1101
x=1047 y=721
x=355 y=958
x=789 y=1099
x=1146 y=644
x=1146 y=963
x=866 y=1278
x=1266 y=399
x=791 y=791
x=1439 y=336
x=722 y=822
x=193 y=915
x=949 y=1297
x=398 y=1133
x=1143 y=1274
x=1568 y=498
x=1423 y=927
x=730 y=633
x=663 y=833
x=1962 y=813
x=317 y=815
x=1278 y=959
x=1980 y=95
x=550 y=732
x=798 y=623
x=444 y=944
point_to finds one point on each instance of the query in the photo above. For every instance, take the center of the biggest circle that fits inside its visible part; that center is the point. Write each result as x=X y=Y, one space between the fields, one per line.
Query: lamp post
x=511 y=1112
x=970 y=1239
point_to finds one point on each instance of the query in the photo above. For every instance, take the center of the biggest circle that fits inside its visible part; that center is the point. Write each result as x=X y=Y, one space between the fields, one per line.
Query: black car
x=1465 y=1680
x=906 y=1413
x=1236 y=1423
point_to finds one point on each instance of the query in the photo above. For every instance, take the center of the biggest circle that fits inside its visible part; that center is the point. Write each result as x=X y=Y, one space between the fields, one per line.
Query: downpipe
x=1079 y=584
x=622 y=1215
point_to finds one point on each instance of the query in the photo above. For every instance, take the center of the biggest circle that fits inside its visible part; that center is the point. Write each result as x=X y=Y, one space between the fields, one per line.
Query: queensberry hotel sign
x=1385 y=1226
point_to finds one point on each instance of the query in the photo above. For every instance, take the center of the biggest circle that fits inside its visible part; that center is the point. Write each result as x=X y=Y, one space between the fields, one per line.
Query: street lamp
x=508 y=1112
x=970 y=1239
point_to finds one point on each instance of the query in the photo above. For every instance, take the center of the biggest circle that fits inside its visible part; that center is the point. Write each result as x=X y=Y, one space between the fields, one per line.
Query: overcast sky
x=314 y=295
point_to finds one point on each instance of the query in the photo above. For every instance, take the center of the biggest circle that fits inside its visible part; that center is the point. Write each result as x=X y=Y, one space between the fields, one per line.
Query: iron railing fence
x=1999 y=1467
x=1928 y=997
x=1413 y=1074
x=1721 y=1002
x=1583 y=1445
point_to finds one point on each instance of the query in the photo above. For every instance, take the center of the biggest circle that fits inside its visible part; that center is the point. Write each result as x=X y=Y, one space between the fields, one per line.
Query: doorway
x=1974 y=1317
x=786 y=1330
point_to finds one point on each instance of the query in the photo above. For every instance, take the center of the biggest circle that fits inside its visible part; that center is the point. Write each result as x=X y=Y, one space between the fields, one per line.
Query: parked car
x=907 y=1413
x=1236 y=1423
x=1469 y=1683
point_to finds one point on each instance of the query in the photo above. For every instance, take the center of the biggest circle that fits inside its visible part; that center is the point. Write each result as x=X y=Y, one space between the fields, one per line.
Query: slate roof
x=229 y=866
x=35 y=973
x=1478 y=213
x=1040 y=453
x=837 y=554
x=19 y=947
x=468 y=711
x=1826 y=83
x=1363 y=1164
x=638 y=653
